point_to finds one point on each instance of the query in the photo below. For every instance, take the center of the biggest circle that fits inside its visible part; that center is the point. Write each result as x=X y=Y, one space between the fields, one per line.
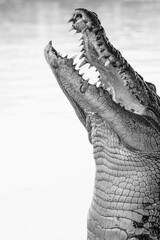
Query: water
x=46 y=167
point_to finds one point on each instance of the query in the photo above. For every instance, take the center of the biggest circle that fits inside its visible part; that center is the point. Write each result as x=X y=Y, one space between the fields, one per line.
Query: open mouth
x=71 y=79
x=115 y=75
x=120 y=96
x=117 y=81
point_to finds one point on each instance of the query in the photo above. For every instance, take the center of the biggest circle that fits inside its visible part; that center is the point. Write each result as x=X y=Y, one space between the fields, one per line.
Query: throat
x=103 y=135
x=114 y=196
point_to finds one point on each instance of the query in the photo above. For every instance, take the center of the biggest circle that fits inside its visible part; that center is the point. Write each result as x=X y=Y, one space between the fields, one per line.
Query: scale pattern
x=126 y=193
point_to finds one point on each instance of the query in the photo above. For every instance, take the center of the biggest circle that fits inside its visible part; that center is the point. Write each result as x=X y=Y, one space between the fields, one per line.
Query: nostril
x=76 y=17
x=79 y=15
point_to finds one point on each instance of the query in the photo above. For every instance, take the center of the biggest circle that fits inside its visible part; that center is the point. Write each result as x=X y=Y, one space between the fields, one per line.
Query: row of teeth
x=84 y=62
x=98 y=83
x=86 y=69
x=107 y=57
x=85 y=65
x=110 y=59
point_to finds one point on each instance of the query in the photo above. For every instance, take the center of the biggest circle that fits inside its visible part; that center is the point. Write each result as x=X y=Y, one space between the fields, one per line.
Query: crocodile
x=121 y=114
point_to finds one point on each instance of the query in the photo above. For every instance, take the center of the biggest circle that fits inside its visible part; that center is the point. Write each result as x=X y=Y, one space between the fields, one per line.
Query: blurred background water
x=46 y=163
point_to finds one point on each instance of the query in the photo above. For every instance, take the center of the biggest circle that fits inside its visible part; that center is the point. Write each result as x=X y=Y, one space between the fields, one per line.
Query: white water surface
x=46 y=164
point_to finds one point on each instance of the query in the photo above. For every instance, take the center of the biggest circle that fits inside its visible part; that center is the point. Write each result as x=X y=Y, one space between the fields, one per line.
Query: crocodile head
x=117 y=77
x=120 y=93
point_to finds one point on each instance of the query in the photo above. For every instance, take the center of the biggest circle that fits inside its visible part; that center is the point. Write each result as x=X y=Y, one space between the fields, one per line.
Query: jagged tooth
x=98 y=84
x=82 y=75
x=82 y=56
x=107 y=63
x=90 y=66
x=73 y=57
x=118 y=103
x=82 y=44
x=70 y=20
x=83 y=63
x=71 y=29
x=74 y=65
x=83 y=49
x=75 y=68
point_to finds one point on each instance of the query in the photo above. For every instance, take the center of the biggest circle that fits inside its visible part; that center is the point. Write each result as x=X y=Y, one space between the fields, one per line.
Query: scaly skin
x=121 y=114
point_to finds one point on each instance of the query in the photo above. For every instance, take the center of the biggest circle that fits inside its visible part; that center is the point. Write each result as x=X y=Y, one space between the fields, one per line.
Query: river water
x=46 y=166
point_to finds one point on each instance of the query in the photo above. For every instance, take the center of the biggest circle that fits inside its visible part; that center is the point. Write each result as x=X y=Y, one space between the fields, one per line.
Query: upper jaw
x=112 y=75
x=114 y=70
